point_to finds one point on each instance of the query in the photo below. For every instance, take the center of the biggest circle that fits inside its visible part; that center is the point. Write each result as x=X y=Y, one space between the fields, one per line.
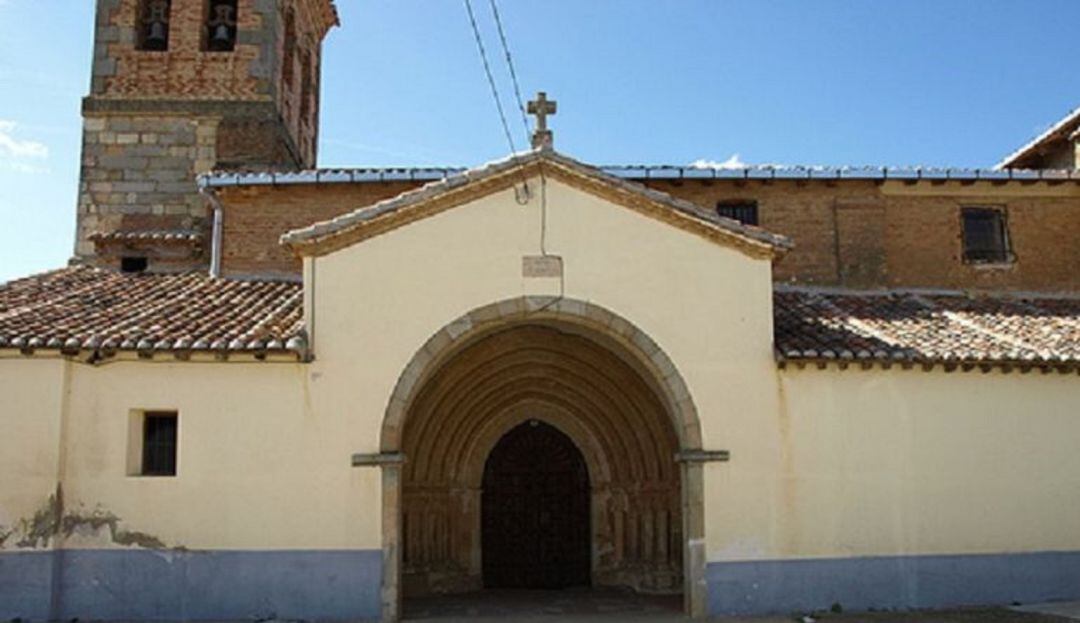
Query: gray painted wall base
x=902 y=582
x=170 y=585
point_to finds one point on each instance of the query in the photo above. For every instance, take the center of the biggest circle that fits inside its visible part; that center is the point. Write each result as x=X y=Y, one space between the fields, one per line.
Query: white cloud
x=734 y=162
x=17 y=154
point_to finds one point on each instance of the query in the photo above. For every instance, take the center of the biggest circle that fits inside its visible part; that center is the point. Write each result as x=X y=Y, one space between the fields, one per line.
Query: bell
x=222 y=36
x=155 y=36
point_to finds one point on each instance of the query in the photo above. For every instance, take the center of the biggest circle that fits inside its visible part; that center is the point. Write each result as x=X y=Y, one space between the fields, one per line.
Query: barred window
x=744 y=211
x=986 y=237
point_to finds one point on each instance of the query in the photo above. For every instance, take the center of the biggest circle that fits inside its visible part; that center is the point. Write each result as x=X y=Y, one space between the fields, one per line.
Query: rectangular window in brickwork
x=159 y=443
x=288 y=61
x=305 y=86
x=220 y=31
x=986 y=237
x=744 y=211
x=153 y=25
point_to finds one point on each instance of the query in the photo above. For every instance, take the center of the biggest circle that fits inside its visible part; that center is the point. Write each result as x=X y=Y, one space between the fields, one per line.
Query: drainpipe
x=215 y=237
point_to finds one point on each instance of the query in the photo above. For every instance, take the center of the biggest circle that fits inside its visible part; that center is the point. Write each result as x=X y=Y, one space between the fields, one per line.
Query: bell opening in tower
x=221 y=25
x=153 y=23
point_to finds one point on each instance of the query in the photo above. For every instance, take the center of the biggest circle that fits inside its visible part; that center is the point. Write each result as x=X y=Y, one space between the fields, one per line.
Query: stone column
x=695 y=585
x=390 y=591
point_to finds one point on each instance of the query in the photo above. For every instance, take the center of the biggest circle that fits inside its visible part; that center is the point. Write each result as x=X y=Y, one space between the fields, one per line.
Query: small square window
x=746 y=212
x=986 y=238
x=153 y=443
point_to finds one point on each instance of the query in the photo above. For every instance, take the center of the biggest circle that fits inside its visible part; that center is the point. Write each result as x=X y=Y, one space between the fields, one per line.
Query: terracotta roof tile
x=88 y=308
x=927 y=328
x=178 y=236
x=84 y=308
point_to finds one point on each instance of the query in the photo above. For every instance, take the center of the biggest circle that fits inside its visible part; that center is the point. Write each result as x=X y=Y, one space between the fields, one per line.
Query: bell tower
x=179 y=88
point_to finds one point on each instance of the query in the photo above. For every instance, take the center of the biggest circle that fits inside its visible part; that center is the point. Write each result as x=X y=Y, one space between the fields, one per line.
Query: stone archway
x=579 y=368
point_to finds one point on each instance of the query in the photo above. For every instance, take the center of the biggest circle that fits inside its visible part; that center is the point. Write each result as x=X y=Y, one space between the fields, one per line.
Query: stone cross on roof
x=542 y=138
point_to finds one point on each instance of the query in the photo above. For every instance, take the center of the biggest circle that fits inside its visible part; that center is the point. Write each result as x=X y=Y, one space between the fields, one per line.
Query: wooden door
x=535 y=511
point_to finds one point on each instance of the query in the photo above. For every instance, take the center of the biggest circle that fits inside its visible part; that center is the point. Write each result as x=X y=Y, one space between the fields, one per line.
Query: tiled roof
x=1062 y=129
x=84 y=308
x=927 y=327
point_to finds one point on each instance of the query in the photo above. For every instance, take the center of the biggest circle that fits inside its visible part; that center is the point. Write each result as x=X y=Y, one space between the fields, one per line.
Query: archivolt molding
x=595 y=321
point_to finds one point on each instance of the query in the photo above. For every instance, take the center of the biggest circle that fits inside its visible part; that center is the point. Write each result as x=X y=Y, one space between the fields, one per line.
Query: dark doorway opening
x=535 y=511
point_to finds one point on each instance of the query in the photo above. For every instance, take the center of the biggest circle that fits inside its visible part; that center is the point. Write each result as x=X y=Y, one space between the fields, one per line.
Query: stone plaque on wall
x=541 y=266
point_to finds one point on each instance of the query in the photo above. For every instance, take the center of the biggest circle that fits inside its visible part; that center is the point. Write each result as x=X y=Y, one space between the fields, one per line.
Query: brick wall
x=185 y=71
x=850 y=233
x=255 y=218
x=864 y=235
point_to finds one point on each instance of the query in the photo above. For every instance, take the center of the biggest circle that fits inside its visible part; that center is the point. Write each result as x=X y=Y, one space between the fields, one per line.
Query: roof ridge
x=1073 y=116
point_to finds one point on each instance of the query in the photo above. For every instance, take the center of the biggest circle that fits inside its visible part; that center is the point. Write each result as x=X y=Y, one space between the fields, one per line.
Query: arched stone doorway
x=580 y=370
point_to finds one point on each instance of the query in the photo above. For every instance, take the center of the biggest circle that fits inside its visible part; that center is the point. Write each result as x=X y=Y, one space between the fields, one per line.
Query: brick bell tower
x=181 y=87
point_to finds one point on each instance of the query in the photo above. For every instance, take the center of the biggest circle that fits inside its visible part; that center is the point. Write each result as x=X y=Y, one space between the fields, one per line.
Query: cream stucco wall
x=902 y=462
x=260 y=464
x=707 y=306
x=30 y=411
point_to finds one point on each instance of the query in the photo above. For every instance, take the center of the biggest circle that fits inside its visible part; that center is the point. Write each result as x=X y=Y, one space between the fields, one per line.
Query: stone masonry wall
x=852 y=233
x=138 y=172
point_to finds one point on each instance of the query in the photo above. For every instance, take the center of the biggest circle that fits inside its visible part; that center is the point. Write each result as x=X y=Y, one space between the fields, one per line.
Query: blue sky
x=937 y=83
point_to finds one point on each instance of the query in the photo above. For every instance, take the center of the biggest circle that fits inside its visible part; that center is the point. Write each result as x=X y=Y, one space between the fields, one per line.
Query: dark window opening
x=288 y=70
x=133 y=264
x=745 y=212
x=986 y=239
x=221 y=26
x=305 y=86
x=153 y=25
x=159 y=444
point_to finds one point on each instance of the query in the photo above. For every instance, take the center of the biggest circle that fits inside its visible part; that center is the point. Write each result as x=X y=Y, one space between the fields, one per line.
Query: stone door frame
x=674 y=393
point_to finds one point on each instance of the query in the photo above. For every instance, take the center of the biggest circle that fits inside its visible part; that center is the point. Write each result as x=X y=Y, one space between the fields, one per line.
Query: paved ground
x=1068 y=609
x=588 y=606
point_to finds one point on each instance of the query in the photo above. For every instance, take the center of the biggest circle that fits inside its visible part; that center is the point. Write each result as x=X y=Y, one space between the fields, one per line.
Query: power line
x=490 y=78
x=513 y=74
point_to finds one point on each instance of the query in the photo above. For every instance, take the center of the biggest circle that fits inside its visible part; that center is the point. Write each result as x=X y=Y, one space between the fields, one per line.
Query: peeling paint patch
x=100 y=519
x=38 y=531
x=50 y=525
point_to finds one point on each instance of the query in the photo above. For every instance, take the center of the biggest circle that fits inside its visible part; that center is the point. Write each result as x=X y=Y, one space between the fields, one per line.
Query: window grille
x=986 y=238
x=746 y=212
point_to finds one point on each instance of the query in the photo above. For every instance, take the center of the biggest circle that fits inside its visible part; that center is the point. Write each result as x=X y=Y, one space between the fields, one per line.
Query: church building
x=263 y=389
